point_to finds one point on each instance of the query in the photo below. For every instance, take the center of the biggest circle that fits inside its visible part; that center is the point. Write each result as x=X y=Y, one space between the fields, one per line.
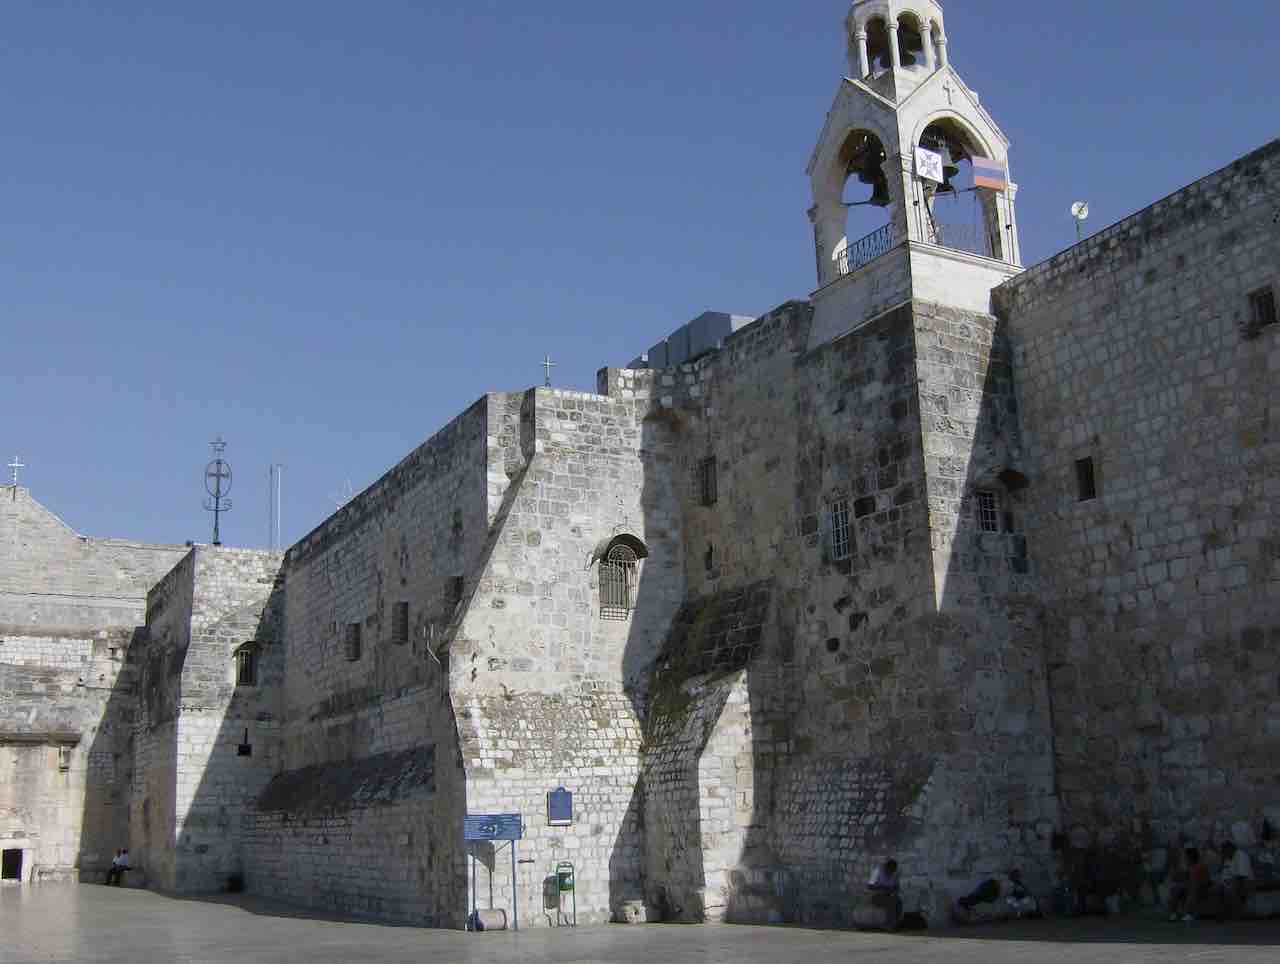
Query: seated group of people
x=1196 y=894
x=1017 y=900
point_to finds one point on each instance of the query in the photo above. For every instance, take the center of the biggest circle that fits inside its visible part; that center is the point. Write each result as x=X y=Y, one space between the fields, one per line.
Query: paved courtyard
x=96 y=924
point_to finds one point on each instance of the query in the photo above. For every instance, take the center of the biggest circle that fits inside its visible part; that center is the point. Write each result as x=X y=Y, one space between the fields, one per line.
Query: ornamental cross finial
x=547 y=365
x=16 y=464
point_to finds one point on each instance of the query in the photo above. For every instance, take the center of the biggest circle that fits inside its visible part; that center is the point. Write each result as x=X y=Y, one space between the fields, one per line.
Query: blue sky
x=323 y=229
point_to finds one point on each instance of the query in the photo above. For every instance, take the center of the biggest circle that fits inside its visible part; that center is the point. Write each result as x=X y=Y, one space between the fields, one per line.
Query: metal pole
x=515 y=890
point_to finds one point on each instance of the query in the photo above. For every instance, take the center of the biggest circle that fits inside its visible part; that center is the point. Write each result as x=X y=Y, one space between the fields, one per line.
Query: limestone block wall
x=1162 y=594
x=206 y=746
x=883 y=709
x=53 y=578
x=65 y=753
x=372 y=597
x=548 y=692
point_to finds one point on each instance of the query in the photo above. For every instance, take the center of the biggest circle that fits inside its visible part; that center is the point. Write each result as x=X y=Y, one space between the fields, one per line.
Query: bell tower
x=911 y=192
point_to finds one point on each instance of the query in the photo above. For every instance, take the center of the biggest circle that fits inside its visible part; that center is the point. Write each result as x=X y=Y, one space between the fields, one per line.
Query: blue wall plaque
x=492 y=826
x=559 y=808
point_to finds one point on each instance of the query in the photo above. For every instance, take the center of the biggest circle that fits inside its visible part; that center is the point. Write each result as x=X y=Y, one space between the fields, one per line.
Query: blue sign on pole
x=559 y=808
x=492 y=826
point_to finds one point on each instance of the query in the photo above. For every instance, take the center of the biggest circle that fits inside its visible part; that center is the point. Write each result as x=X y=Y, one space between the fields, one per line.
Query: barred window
x=988 y=511
x=617 y=583
x=246 y=666
x=351 y=645
x=707 y=482
x=400 y=624
x=840 y=530
x=1262 y=307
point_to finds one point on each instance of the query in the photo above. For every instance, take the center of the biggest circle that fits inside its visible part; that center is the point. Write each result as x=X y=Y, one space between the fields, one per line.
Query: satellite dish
x=1080 y=210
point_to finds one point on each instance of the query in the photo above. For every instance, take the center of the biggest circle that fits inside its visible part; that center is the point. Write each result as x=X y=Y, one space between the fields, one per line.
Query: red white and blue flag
x=990 y=174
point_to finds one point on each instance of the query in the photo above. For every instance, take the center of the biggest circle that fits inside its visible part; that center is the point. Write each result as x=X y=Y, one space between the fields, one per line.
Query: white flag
x=929 y=165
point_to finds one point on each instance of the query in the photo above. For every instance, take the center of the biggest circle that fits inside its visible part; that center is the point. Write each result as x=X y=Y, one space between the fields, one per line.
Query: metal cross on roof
x=548 y=364
x=16 y=464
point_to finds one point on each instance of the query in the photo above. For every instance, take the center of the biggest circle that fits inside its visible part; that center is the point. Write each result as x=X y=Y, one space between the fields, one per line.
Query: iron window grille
x=988 y=511
x=708 y=491
x=246 y=666
x=840 y=530
x=617 y=583
x=1262 y=307
x=351 y=645
x=400 y=624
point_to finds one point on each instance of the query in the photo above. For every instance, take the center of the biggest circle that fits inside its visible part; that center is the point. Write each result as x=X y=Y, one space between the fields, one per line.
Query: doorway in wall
x=11 y=865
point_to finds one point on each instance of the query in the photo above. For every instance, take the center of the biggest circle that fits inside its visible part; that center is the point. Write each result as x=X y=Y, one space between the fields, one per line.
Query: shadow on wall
x=989 y=629
x=109 y=766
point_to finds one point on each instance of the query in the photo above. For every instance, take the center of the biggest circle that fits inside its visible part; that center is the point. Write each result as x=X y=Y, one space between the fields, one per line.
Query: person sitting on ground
x=1188 y=896
x=119 y=864
x=1235 y=881
x=885 y=888
x=987 y=892
x=1019 y=899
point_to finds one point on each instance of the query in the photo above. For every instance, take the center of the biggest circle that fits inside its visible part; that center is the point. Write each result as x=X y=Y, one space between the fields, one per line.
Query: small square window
x=1086 y=481
x=840 y=530
x=246 y=666
x=1262 y=307
x=864 y=507
x=400 y=624
x=708 y=491
x=351 y=644
x=988 y=511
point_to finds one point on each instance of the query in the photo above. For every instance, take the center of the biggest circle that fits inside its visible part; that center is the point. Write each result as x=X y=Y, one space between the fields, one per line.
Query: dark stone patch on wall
x=384 y=778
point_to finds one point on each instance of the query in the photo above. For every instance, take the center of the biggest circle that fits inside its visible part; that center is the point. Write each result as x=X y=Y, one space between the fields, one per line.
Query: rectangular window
x=400 y=623
x=1262 y=307
x=1086 y=482
x=988 y=511
x=351 y=645
x=840 y=530
x=64 y=758
x=246 y=667
x=707 y=488
x=864 y=507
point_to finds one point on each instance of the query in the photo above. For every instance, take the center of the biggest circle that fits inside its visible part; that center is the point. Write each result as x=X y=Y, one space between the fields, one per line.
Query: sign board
x=492 y=826
x=929 y=165
x=559 y=808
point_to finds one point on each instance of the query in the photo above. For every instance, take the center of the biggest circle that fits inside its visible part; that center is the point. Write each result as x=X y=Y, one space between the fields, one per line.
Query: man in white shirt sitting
x=1236 y=880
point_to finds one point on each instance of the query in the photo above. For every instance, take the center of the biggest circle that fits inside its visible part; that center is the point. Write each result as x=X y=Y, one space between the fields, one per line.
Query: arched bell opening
x=939 y=44
x=866 y=198
x=958 y=213
x=910 y=41
x=879 y=59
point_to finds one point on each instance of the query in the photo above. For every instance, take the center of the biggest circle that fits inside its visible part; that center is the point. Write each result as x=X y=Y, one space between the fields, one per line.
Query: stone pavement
x=89 y=923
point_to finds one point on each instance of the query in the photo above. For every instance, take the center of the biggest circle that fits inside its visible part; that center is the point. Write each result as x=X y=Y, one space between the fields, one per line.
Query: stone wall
x=894 y=705
x=549 y=693
x=65 y=753
x=206 y=746
x=52 y=578
x=1161 y=596
x=372 y=597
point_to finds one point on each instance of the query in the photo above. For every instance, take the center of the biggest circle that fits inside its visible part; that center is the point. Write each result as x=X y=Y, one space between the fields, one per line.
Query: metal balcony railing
x=863 y=252
x=963 y=237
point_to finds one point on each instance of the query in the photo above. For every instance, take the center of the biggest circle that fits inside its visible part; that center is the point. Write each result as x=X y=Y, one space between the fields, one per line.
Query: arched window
x=247 y=665
x=619 y=559
x=617 y=583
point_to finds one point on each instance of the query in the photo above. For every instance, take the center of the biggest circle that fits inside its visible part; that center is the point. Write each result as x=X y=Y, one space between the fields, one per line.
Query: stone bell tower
x=905 y=128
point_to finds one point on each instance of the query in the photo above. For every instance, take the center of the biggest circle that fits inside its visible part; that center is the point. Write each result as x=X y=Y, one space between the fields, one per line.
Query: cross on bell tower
x=911 y=191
